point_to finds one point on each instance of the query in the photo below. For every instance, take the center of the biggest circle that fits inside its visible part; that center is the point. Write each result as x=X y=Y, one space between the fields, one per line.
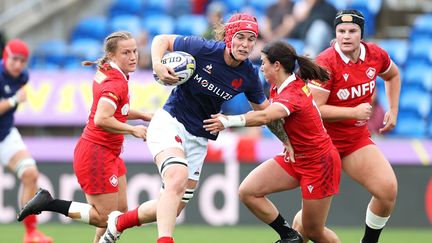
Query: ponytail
x=287 y=56
x=309 y=70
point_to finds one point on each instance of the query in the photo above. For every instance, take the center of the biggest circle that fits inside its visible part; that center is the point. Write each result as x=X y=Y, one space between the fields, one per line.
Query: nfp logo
x=356 y=91
x=343 y=94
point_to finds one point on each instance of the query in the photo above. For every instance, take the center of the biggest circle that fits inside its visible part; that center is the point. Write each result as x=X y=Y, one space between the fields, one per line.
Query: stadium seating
x=129 y=23
x=408 y=126
x=157 y=7
x=51 y=54
x=84 y=49
x=126 y=7
x=92 y=27
x=416 y=100
x=397 y=49
x=421 y=49
x=190 y=25
x=418 y=75
x=234 y=5
x=158 y=24
x=422 y=27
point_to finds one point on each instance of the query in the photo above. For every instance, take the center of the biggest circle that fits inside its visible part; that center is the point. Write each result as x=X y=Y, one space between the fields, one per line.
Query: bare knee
x=176 y=186
x=100 y=220
x=314 y=233
x=387 y=192
x=245 y=193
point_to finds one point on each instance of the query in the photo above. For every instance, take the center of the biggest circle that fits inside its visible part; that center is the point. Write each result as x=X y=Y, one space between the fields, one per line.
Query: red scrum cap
x=15 y=47
x=237 y=23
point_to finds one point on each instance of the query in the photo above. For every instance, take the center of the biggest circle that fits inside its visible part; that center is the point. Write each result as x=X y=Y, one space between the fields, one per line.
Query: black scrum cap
x=350 y=16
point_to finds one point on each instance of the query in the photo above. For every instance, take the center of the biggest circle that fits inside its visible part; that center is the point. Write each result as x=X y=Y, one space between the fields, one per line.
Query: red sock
x=165 y=239
x=30 y=223
x=128 y=220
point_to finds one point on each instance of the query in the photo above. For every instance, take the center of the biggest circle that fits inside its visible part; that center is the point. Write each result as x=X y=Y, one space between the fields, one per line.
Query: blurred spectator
x=314 y=24
x=198 y=6
x=278 y=21
x=215 y=12
x=308 y=20
x=2 y=41
x=143 y=50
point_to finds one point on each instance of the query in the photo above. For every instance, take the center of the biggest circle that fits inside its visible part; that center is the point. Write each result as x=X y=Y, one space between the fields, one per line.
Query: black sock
x=371 y=235
x=281 y=226
x=59 y=206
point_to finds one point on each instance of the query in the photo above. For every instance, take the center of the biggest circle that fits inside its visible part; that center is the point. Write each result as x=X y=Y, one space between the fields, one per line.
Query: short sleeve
x=385 y=60
x=189 y=44
x=112 y=90
x=255 y=93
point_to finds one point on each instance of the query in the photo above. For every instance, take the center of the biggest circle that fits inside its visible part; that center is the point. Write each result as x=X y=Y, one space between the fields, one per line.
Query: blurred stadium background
x=63 y=33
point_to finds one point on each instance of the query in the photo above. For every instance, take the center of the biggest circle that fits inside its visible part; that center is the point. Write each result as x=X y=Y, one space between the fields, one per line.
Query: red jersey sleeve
x=385 y=59
x=324 y=61
x=112 y=90
x=291 y=100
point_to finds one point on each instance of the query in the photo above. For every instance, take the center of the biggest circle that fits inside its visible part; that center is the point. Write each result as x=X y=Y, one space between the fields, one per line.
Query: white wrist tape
x=233 y=121
x=13 y=101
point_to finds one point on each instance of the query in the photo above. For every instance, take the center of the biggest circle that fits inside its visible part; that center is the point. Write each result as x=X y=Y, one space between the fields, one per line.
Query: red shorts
x=346 y=147
x=318 y=178
x=97 y=167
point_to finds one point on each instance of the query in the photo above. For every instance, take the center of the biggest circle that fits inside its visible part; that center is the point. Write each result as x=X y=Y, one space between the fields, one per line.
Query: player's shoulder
x=373 y=49
x=199 y=41
x=327 y=57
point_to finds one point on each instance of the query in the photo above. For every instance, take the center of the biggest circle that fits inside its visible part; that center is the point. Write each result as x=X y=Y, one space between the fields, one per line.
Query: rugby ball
x=183 y=64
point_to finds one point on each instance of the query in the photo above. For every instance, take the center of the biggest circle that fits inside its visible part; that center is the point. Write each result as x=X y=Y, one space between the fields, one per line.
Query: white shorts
x=11 y=145
x=164 y=131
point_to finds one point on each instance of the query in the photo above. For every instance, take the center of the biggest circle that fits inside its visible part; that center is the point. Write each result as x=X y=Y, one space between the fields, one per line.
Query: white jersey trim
x=283 y=106
x=345 y=58
x=285 y=83
x=109 y=101
x=317 y=87
x=388 y=69
x=114 y=65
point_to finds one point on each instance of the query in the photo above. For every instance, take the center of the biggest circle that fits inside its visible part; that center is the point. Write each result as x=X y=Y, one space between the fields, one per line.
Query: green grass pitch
x=73 y=233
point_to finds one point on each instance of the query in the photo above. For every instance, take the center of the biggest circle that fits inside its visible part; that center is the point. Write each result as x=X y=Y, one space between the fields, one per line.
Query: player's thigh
x=268 y=177
x=315 y=212
x=370 y=168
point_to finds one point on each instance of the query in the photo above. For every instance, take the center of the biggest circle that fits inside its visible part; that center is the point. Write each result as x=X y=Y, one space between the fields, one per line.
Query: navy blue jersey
x=8 y=88
x=212 y=83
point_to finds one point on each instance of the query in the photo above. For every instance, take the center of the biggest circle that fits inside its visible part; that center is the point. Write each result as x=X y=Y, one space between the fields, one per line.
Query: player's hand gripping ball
x=183 y=64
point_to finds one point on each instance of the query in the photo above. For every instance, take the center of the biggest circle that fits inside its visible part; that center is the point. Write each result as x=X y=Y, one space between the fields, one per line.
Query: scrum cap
x=350 y=16
x=237 y=23
x=15 y=47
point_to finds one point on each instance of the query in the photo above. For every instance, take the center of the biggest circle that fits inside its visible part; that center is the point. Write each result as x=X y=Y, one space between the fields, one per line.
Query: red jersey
x=351 y=84
x=303 y=126
x=112 y=86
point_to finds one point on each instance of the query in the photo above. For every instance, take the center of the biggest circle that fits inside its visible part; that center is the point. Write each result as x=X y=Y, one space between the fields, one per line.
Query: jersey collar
x=345 y=58
x=114 y=65
x=287 y=81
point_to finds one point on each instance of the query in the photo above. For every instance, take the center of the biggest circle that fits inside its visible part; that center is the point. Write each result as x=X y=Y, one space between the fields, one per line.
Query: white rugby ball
x=183 y=64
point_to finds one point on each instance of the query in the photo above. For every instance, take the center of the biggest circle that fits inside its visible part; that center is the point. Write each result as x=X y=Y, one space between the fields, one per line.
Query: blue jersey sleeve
x=255 y=93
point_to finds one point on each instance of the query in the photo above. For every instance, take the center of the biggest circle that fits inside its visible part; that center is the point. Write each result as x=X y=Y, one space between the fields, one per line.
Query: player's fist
x=21 y=95
x=363 y=111
x=165 y=73
x=140 y=131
